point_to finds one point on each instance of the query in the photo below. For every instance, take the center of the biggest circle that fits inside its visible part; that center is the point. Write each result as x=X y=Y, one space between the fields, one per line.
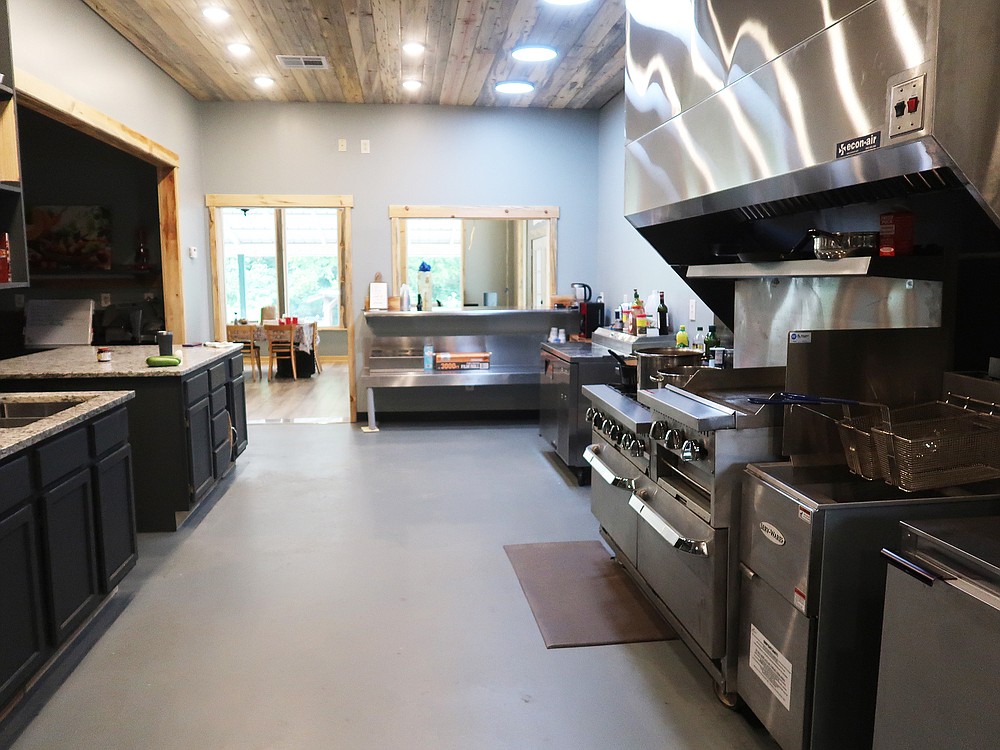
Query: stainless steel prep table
x=562 y=422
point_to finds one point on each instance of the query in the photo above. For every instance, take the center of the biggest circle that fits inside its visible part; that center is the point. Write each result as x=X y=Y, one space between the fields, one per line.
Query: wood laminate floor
x=320 y=399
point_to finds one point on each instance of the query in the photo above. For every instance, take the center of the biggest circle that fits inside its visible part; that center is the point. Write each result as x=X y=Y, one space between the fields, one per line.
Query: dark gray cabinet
x=115 y=517
x=22 y=621
x=70 y=553
x=185 y=431
x=67 y=538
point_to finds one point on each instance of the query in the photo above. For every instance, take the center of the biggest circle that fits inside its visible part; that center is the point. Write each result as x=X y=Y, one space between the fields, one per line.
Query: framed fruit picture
x=73 y=238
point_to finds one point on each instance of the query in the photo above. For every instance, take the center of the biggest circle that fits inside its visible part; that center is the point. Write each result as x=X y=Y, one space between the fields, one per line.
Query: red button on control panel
x=911 y=104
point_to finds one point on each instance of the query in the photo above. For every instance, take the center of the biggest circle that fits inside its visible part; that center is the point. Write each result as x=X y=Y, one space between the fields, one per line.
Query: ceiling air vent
x=301 y=62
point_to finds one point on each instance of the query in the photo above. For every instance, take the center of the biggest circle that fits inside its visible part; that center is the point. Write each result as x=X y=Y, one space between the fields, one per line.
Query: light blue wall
x=419 y=155
x=66 y=45
x=624 y=259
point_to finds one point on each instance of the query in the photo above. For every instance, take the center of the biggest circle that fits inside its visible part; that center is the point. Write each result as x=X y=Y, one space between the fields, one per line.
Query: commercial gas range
x=671 y=463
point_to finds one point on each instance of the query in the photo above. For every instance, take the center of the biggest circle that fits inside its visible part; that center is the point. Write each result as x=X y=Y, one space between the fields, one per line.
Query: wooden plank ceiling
x=468 y=45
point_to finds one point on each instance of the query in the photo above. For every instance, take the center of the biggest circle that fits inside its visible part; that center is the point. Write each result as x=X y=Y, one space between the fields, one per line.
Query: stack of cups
x=553 y=335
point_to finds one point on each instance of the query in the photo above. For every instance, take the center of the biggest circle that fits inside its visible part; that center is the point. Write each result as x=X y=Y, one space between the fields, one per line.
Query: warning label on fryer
x=771 y=666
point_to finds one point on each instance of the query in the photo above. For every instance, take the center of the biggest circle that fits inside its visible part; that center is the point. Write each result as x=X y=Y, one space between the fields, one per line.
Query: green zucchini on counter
x=163 y=360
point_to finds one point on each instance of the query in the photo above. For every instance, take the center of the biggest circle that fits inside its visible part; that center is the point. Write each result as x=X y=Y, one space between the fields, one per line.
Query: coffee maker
x=591 y=313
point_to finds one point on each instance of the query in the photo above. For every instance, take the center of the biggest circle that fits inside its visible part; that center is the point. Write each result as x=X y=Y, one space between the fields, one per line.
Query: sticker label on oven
x=805 y=515
x=772 y=534
x=799 y=600
x=859 y=145
x=771 y=666
x=800 y=337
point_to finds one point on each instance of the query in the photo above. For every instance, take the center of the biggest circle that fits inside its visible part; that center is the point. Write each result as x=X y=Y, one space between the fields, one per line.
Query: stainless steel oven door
x=773 y=676
x=683 y=560
x=613 y=480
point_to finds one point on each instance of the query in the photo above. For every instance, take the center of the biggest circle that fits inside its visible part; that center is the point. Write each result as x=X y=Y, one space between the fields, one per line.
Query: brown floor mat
x=581 y=597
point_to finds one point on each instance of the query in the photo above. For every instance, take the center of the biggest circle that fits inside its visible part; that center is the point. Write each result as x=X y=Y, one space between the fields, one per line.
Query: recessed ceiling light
x=413 y=48
x=411 y=85
x=215 y=13
x=265 y=82
x=514 y=87
x=567 y=2
x=533 y=53
x=239 y=49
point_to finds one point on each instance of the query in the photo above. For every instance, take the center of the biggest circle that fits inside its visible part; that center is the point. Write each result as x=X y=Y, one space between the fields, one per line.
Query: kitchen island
x=67 y=523
x=187 y=423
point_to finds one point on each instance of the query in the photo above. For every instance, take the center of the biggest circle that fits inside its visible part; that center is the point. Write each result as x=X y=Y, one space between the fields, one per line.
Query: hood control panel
x=906 y=107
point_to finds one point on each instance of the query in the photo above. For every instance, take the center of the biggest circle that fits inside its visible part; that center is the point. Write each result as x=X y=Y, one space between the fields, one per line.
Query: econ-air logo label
x=858 y=145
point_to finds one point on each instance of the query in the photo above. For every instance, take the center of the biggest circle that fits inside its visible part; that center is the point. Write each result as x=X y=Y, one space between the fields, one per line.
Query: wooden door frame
x=215 y=201
x=45 y=99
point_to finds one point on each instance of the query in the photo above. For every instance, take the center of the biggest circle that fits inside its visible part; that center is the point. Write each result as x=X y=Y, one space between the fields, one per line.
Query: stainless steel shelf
x=497 y=375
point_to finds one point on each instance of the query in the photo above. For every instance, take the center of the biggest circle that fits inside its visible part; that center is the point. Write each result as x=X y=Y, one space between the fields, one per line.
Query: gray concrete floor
x=351 y=591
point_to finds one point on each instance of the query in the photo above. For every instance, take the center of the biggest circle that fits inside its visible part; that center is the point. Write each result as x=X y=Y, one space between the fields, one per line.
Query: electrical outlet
x=19 y=301
x=366 y=146
x=192 y=252
x=342 y=144
x=148 y=296
x=692 y=308
x=105 y=299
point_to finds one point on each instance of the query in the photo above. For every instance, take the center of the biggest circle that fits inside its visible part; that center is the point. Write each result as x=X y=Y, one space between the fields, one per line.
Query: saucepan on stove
x=626 y=369
x=678 y=376
x=653 y=360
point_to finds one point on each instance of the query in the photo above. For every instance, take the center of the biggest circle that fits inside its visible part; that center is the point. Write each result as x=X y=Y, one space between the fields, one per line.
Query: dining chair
x=245 y=335
x=280 y=345
x=315 y=347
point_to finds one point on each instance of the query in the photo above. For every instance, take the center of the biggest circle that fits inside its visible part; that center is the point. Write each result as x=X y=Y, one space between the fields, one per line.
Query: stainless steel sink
x=22 y=413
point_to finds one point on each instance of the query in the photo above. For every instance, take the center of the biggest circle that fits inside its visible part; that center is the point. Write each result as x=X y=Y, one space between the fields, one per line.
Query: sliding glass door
x=285 y=258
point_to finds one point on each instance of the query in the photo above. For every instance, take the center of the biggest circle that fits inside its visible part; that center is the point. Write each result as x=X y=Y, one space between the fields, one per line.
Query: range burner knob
x=591 y=413
x=658 y=430
x=674 y=439
x=638 y=446
x=626 y=441
x=691 y=450
x=612 y=430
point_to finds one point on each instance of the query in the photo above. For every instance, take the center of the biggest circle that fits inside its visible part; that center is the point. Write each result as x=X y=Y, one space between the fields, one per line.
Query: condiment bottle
x=662 y=317
x=681 y=338
x=711 y=341
x=699 y=340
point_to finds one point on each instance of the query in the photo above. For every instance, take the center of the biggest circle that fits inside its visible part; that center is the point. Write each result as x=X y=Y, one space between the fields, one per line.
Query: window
x=282 y=257
x=437 y=242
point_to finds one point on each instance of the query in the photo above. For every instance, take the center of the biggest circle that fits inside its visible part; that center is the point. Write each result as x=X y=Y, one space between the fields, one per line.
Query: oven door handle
x=590 y=456
x=659 y=524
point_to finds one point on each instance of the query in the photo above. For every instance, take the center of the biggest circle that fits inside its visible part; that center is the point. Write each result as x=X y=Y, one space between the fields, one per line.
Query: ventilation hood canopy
x=738 y=118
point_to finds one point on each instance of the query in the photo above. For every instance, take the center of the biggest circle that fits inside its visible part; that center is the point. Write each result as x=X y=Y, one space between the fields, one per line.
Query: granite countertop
x=85 y=404
x=126 y=362
x=576 y=351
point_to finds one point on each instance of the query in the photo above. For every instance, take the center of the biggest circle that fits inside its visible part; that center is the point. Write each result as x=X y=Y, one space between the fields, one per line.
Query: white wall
x=419 y=155
x=624 y=259
x=65 y=44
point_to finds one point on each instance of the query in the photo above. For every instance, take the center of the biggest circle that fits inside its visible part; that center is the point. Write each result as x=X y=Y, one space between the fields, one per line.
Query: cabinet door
x=116 y=543
x=199 y=435
x=238 y=413
x=22 y=647
x=70 y=553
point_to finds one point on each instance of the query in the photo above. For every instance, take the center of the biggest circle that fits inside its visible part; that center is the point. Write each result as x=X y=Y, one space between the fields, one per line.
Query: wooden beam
x=347 y=309
x=217 y=261
x=46 y=99
x=170 y=252
x=234 y=200
x=474 y=212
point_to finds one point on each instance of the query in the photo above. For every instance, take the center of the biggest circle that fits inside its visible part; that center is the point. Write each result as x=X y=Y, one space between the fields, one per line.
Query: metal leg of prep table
x=372 y=427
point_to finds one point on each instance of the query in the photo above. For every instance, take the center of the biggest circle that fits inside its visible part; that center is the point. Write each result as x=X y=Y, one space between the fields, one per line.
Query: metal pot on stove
x=651 y=362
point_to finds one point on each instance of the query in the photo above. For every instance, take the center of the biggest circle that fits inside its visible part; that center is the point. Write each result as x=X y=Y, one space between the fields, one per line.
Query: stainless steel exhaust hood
x=737 y=117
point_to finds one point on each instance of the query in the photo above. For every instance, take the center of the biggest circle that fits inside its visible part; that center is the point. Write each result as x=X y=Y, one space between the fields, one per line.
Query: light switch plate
x=366 y=146
x=342 y=144
x=692 y=307
x=902 y=93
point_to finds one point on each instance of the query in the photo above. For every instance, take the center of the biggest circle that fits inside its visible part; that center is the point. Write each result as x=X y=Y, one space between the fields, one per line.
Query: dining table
x=306 y=333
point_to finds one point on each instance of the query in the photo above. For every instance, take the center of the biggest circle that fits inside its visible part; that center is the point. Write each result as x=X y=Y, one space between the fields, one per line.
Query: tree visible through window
x=296 y=271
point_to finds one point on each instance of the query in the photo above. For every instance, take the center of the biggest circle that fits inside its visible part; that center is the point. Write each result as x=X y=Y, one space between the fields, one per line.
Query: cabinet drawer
x=236 y=366
x=64 y=454
x=109 y=432
x=221 y=459
x=218 y=399
x=196 y=387
x=15 y=479
x=218 y=374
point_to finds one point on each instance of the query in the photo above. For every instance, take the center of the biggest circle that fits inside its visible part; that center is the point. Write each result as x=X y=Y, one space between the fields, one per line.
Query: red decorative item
x=5 y=259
